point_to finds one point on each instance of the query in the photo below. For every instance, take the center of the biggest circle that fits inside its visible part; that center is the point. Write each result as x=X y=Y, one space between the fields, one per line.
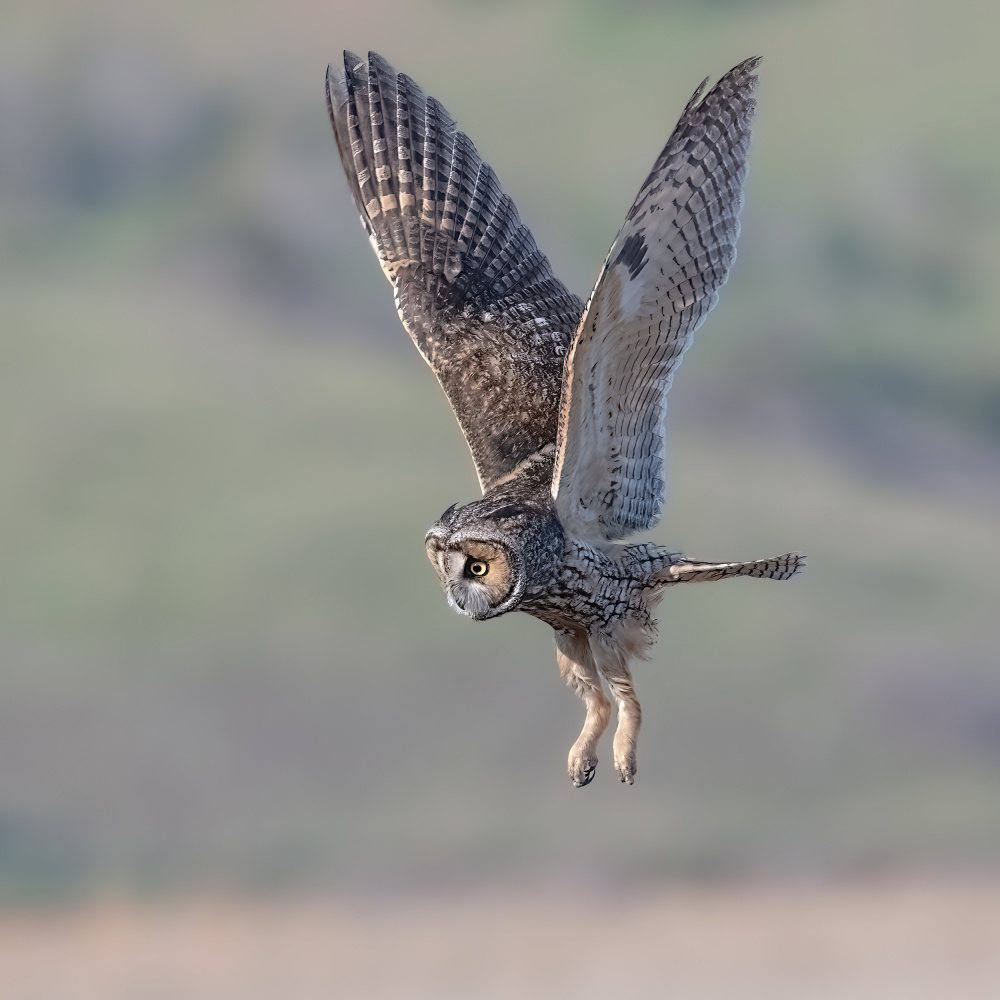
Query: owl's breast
x=589 y=590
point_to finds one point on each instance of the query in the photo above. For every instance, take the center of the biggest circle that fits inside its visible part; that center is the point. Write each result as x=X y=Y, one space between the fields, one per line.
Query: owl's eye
x=476 y=567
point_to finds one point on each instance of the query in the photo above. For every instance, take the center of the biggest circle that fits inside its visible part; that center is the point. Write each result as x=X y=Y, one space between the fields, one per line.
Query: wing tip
x=788 y=565
x=380 y=63
x=744 y=71
x=335 y=89
x=799 y=561
x=741 y=77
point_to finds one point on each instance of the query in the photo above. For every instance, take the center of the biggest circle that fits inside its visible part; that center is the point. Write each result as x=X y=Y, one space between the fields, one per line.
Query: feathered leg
x=612 y=663
x=576 y=665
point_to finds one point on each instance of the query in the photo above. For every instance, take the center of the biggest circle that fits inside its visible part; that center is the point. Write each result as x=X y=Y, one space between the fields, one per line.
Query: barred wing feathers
x=659 y=282
x=472 y=289
x=692 y=571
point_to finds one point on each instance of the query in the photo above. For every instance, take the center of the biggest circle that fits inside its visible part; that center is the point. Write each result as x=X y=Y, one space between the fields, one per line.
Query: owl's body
x=562 y=405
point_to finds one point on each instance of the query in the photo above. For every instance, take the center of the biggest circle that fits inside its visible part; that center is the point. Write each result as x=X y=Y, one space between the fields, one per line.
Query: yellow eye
x=476 y=567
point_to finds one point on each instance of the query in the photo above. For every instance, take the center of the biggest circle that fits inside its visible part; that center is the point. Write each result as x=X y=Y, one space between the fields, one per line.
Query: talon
x=626 y=773
x=582 y=772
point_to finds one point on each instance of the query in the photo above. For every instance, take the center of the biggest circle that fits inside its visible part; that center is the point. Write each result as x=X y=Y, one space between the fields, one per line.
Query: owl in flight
x=561 y=403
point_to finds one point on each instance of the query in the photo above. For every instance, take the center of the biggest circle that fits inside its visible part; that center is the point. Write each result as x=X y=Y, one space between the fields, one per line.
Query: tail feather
x=690 y=571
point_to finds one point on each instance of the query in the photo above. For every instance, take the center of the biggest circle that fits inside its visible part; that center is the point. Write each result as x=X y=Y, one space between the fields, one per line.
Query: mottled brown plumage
x=562 y=407
x=472 y=288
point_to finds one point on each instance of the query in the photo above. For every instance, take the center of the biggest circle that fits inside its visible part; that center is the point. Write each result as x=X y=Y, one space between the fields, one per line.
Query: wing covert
x=660 y=280
x=472 y=289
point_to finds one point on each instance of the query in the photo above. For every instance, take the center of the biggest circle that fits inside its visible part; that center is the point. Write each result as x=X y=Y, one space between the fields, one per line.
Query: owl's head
x=480 y=574
x=477 y=557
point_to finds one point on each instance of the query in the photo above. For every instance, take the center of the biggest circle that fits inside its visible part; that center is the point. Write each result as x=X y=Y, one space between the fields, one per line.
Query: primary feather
x=472 y=289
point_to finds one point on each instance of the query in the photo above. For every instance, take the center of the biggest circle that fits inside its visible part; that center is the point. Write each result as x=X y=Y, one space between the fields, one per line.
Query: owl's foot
x=625 y=766
x=582 y=768
x=627 y=735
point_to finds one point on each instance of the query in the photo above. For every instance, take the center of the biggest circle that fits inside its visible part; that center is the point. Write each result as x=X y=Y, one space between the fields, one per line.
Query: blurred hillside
x=223 y=656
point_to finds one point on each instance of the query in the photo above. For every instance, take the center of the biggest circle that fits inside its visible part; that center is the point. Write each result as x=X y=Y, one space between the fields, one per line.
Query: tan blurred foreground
x=864 y=941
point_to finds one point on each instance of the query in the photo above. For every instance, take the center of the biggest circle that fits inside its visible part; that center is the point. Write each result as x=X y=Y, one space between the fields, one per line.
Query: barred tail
x=690 y=571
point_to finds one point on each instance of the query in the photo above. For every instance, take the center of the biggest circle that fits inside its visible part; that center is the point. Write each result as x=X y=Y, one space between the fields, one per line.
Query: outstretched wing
x=691 y=571
x=472 y=289
x=659 y=281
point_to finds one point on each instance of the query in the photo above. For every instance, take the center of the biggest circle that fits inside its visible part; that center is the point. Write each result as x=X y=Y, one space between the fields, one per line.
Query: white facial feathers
x=476 y=575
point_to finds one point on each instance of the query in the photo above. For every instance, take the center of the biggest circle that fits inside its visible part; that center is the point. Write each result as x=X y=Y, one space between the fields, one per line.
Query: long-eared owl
x=562 y=403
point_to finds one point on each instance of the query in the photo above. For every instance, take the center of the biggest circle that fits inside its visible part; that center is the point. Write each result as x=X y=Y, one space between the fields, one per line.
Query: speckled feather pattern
x=660 y=279
x=562 y=408
x=471 y=287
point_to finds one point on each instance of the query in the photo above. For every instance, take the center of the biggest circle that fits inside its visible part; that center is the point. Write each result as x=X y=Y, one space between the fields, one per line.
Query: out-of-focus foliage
x=222 y=653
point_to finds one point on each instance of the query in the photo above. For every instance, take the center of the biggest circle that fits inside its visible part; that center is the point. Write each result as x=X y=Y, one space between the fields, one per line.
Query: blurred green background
x=224 y=658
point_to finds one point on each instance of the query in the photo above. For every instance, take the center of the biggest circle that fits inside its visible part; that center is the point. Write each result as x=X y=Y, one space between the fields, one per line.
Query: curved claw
x=625 y=769
x=582 y=771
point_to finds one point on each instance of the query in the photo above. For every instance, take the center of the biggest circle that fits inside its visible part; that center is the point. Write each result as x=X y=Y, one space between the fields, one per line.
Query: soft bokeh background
x=225 y=664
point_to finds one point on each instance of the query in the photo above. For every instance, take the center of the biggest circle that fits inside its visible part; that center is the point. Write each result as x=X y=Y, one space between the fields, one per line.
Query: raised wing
x=659 y=281
x=472 y=289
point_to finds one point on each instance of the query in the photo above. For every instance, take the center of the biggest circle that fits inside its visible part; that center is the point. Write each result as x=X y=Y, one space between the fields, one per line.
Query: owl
x=562 y=403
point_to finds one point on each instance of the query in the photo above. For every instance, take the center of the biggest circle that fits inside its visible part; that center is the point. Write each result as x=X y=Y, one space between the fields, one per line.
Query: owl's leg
x=577 y=666
x=614 y=669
